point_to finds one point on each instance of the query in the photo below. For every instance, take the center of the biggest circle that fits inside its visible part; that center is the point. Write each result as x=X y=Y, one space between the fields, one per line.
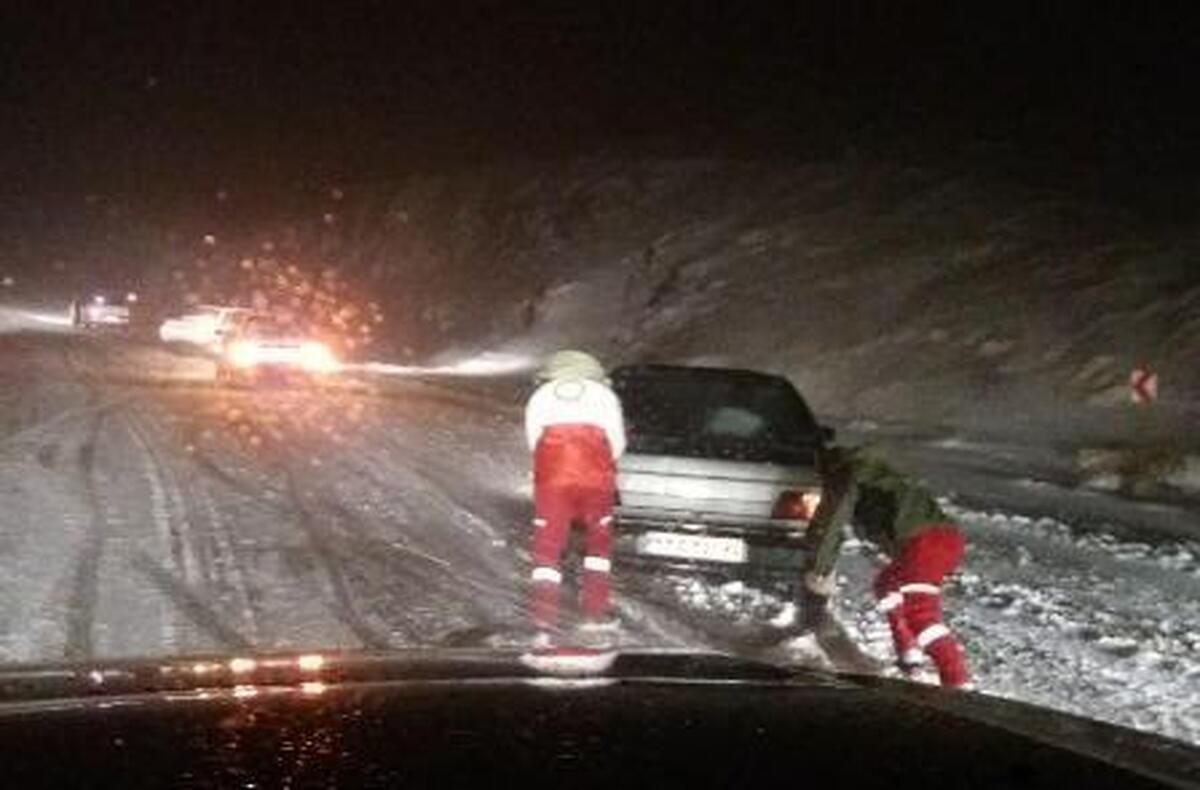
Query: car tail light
x=797 y=505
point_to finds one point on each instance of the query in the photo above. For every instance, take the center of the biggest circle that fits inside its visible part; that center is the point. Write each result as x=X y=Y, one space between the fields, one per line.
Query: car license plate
x=692 y=547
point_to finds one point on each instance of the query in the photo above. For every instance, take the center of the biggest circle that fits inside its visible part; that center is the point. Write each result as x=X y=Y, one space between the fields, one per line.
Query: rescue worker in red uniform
x=904 y=520
x=576 y=431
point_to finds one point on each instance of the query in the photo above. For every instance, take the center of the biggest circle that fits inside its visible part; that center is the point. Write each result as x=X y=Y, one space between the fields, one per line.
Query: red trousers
x=556 y=509
x=909 y=591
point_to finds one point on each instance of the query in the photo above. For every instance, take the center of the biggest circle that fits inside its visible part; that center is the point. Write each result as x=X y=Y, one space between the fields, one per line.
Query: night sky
x=179 y=101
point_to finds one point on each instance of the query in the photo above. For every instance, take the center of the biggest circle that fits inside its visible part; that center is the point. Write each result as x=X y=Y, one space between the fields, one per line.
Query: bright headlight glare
x=242 y=355
x=318 y=357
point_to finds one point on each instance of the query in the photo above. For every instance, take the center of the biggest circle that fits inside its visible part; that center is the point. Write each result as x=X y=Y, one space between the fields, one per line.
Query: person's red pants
x=556 y=509
x=909 y=590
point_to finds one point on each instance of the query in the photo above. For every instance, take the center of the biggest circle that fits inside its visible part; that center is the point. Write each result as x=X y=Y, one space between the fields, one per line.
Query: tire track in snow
x=409 y=573
x=339 y=594
x=171 y=513
x=85 y=583
x=408 y=592
x=76 y=372
x=185 y=519
x=451 y=571
x=276 y=491
x=391 y=573
x=381 y=577
x=451 y=542
x=309 y=596
x=190 y=603
x=85 y=586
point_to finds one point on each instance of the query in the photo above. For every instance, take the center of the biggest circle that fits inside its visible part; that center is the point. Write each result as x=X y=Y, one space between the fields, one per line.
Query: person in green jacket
x=904 y=520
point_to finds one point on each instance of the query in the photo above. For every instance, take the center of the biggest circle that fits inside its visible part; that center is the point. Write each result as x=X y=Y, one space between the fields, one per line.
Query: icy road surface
x=144 y=511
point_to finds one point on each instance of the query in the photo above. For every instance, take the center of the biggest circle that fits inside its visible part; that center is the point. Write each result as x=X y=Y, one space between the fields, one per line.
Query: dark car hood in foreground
x=464 y=719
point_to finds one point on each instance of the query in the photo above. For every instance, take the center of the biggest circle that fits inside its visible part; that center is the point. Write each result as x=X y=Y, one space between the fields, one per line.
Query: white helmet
x=572 y=364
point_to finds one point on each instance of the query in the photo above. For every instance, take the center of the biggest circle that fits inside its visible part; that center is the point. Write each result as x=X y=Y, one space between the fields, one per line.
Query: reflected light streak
x=13 y=319
x=311 y=662
x=482 y=366
x=242 y=665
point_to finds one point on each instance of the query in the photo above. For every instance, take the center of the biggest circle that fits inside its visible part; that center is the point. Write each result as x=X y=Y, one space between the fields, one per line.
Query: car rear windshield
x=708 y=415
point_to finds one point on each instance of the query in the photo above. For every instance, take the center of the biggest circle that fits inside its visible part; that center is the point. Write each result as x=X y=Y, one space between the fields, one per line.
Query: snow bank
x=1060 y=617
x=1139 y=470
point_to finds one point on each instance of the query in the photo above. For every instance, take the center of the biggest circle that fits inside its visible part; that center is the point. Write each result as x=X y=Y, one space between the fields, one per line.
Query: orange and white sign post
x=1143 y=386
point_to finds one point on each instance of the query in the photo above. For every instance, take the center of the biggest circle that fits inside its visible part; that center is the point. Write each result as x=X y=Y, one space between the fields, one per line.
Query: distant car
x=266 y=348
x=207 y=326
x=103 y=309
x=720 y=473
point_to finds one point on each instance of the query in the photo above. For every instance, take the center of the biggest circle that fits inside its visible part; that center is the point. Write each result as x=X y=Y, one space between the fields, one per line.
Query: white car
x=721 y=471
x=207 y=326
x=264 y=348
x=103 y=310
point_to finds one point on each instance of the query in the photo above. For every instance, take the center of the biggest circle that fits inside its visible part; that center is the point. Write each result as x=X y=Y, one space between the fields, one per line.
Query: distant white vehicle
x=103 y=310
x=206 y=326
x=262 y=348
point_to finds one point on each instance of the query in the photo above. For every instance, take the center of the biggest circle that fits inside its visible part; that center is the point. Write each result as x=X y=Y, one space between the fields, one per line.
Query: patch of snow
x=1188 y=478
x=1061 y=618
x=804 y=651
x=786 y=616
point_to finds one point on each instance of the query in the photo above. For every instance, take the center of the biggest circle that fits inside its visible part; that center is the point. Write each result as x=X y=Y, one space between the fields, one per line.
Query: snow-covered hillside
x=890 y=292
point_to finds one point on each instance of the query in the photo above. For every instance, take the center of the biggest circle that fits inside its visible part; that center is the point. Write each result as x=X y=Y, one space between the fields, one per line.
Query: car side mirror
x=827 y=434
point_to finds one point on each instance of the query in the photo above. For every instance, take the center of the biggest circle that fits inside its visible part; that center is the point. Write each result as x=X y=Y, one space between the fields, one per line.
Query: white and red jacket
x=576 y=431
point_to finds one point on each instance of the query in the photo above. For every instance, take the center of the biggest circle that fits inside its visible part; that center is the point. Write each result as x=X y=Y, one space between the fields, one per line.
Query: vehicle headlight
x=243 y=355
x=317 y=357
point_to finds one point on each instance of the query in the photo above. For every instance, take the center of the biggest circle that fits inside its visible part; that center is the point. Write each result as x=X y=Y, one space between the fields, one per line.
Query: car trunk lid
x=683 y=487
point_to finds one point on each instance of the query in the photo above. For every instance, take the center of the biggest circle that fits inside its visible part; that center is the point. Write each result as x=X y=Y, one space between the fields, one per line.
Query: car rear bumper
x=723 y=544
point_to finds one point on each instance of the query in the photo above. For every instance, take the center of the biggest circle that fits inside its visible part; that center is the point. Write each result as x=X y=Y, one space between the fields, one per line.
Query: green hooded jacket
x=884 y=507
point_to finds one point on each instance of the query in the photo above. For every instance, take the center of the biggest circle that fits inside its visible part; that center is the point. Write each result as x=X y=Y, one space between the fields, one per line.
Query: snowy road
x=143 y=515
